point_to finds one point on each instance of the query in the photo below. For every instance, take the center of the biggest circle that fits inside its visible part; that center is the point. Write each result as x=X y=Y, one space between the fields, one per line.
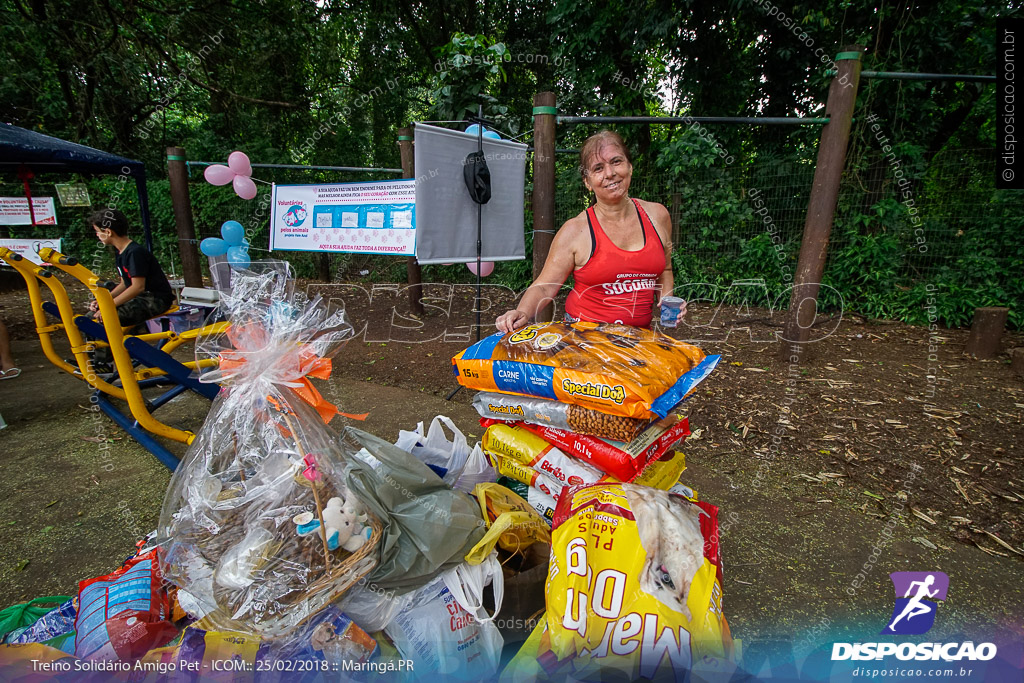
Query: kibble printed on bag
x=612 y=369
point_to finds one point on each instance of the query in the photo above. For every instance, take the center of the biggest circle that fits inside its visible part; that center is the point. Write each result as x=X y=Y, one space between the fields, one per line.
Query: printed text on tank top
x=615 y=284
x=624 y=282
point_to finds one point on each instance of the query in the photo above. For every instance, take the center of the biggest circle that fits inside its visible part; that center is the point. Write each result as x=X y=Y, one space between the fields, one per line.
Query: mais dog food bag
x=634 y=586
x=614 y=369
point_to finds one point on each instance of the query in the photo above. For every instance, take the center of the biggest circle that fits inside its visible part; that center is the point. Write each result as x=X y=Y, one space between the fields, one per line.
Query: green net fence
x=912 y=237
x=915 y=237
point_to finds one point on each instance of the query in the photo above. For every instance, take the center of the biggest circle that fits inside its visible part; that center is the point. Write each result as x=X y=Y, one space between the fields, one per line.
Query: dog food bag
x=635 y=586
x=537 y=454
x=613 y=369
x=512 y=469
x=543 y=503
x=609 y=457
x=541 y=411
x=124 y=614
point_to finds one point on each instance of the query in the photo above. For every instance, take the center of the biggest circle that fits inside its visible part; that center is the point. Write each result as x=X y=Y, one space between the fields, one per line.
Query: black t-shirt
x=135 y=261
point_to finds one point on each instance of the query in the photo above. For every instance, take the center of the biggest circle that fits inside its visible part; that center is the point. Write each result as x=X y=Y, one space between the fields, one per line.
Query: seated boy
x=143 y=292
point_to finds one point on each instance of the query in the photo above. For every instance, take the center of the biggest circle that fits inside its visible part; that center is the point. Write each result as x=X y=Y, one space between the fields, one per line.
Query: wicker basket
x=290 y=555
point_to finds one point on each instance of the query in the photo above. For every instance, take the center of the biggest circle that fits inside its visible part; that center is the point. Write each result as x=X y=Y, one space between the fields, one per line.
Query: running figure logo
x=916 y=596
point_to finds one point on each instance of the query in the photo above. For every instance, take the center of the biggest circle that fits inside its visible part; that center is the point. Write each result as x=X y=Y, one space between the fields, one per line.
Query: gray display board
x=446 y=216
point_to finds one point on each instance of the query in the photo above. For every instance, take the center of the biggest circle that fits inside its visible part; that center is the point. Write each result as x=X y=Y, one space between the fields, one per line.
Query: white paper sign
x=370 y=218
x=29 y=249
x=14 y=211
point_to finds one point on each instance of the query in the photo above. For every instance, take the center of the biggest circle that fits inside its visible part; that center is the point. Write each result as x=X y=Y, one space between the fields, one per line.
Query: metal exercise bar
x=909 y=76
x=301 y=168
x=756 y=120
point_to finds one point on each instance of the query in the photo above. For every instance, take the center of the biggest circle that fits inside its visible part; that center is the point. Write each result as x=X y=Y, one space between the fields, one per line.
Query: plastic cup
x=670 y=306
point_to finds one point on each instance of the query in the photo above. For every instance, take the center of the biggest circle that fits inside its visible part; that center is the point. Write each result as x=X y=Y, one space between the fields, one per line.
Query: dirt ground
x=888 y=456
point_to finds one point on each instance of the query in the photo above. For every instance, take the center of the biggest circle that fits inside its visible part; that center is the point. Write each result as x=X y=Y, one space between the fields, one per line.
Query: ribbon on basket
x=251 y=359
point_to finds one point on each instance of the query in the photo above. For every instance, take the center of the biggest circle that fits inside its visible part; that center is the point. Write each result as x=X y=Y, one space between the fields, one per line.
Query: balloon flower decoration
x=231 y=243
x=238 y=172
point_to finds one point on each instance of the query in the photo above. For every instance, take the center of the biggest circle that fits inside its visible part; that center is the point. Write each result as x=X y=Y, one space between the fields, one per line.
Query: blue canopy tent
x=22 y=149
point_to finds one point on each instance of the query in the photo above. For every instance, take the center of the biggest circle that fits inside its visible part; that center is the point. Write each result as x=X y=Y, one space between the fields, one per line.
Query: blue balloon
x=232 y=232
x=492 y=135
x=238 y=257
x=213 y=246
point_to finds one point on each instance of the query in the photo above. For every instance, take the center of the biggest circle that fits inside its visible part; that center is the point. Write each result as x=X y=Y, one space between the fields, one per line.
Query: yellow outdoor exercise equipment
x=155 y=365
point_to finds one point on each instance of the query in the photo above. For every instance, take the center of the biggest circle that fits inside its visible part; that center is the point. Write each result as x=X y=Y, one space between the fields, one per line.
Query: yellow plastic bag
x=513 y=524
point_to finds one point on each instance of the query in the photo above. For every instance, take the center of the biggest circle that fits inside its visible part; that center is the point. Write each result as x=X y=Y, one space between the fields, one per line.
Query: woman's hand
x=511 y=321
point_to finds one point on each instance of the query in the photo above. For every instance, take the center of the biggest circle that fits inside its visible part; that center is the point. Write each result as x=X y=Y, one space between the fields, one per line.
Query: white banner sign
x=30 y=248
x=14 y=211
x=366 y=218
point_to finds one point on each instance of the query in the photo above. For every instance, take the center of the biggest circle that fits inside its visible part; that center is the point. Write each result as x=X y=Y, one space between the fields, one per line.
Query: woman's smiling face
x=609 y=173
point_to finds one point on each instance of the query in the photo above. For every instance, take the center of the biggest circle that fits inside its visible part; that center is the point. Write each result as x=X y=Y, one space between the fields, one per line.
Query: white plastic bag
x=371 y=607
x=467 y=582
x=478 y=471
x=435 y=448
x=441 y=637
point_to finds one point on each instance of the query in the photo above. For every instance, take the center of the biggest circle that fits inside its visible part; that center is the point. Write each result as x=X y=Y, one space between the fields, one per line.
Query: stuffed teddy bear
x=339 y=524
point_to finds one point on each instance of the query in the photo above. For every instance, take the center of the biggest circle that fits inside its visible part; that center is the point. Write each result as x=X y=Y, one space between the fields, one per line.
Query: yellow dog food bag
x=634 y=585
x=614 y=369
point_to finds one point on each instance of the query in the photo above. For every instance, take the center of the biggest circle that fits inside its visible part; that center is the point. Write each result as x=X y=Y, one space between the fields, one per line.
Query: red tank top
x=615 y=285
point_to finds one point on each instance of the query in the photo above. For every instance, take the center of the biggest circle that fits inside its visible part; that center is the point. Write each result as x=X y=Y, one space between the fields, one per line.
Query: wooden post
x=181 y=204
x=412 y=267
x=544 y=116
x=821 y=208
x=1017 y=361
x=324 y=263
x=986 y=332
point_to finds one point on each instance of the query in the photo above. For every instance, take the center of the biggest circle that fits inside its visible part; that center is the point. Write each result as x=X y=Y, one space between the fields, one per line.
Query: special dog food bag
x=614 y=369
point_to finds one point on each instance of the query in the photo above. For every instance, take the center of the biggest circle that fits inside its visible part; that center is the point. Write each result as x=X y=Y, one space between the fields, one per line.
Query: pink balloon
x=244 y=187
x=486 y=268
x=218 y=175
x=239 y=163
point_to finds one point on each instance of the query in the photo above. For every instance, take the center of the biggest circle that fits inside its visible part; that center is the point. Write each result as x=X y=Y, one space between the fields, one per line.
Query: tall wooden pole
x=413 y=273
x=181 y=204
x=544 y=115
x=821 y=208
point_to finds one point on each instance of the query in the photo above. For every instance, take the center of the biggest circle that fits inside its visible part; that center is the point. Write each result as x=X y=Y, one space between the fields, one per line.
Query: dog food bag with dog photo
x=635 y=586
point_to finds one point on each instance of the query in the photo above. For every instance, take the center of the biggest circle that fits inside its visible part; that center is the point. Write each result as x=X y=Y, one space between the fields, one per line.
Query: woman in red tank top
x=618 y=251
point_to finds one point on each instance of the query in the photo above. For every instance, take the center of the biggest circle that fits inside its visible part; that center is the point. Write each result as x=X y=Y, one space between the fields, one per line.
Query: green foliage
x=330 y=82
x=472 y=66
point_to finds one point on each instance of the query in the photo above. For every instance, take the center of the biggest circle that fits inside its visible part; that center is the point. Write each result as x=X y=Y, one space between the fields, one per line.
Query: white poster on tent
x=363 y=218
x=14 y=211
x=29 y=249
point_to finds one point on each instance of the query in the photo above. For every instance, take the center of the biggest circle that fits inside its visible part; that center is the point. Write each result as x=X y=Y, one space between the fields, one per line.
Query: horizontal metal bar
x=906 y=76
x=755 y=120
x=909 y=76
x=302 y=168
x=558 y=150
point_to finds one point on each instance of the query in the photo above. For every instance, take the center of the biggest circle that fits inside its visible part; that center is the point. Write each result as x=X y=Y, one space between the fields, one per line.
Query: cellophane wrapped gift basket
x=260 y=531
